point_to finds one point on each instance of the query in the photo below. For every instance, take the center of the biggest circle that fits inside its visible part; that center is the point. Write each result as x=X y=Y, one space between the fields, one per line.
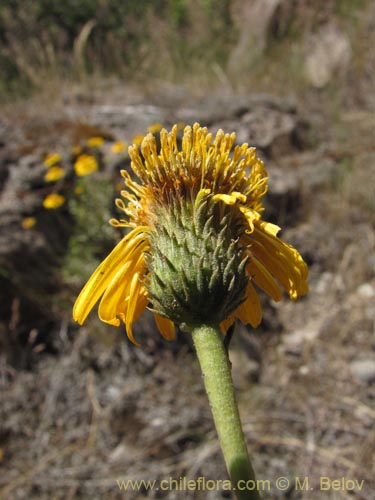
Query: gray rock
x=269 y=124
x=273 y=130
x=213 y=109
x=366 y=291
x=128 y=119
x=298 y=337
x=363 y=370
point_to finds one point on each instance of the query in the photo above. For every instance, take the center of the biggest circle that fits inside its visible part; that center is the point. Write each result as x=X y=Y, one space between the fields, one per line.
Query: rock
x=126 y=120
x=284 y=197
x=308 y=334
x=293 y=343
x=363 y=370
x=272 y=125
x=366 y=291
x=262 y=120
x=212 y=109
x=324 y=283
x=244 y=370
x=329 y=52
x=294 y=182
x=271 y=130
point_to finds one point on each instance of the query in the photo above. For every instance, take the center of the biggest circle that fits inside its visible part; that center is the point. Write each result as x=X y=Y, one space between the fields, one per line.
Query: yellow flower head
x=198 y=248
x=154 y=128
x=119 y=147
x=51 y=159
x=53 y=201
x=28 y=222
x=137 y=139
x=76 y=150
x=53 y=174
x=95 y=142
x=85 y=165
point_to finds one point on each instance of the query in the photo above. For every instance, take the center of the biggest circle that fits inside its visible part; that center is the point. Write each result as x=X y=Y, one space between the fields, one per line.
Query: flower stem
x=215 y=365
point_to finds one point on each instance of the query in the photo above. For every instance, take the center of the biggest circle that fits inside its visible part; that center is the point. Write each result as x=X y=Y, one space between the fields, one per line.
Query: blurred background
x=80 y=80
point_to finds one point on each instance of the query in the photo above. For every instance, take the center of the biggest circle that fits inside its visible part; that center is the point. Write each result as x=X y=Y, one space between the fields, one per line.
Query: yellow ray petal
x=263 y=279
x=270 y=228
x=105 y=272
x=136 y=301
x=115 y=295
x=142 y=299
x=250 y=311
x=282 y=261
x=269 y=231
x=227 y=323
x=113 y=301
x=279 y=267
x=165 y=326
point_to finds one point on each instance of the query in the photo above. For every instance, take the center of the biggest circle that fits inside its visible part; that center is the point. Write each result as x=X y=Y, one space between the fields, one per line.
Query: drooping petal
x=263 y=278
x=269 y=229
x=114 y=296
x=227 y=323
x=105 y=272
x=137 y=303
x=250 y=311
x=165 y=326
x=282 y=260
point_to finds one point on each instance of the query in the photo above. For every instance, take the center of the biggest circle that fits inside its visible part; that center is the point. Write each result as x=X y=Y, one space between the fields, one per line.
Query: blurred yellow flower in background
x=28 y=222
x=95 y=142
x=85 y=165
x=137 y=139
x=118 y=147
x=53 y=201
x=53 y=174
x=154 y=128
x=51 y=159
x=76 y=150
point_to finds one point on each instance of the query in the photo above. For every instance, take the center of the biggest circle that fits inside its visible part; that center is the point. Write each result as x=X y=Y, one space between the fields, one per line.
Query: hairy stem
x=215 y=365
